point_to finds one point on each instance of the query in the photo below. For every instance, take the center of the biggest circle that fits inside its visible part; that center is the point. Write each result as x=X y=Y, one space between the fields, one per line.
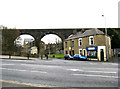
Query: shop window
x=80 y=42
x=91 y=40
x=92 y=53
x=72 y=43
x=65 y=44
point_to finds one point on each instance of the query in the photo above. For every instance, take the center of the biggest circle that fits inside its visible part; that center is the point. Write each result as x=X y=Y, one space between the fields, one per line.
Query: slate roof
x=92 y=32
x=77 y=35
x=89 y=32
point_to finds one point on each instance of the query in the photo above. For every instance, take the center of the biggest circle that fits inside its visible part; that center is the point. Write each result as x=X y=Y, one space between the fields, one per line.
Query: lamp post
x=106 y=37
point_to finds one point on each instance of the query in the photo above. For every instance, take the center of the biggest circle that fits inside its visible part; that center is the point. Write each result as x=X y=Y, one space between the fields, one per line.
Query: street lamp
x=106 y=37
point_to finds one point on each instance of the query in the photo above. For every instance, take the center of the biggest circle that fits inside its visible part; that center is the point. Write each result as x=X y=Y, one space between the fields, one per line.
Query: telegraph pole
x=106 y=38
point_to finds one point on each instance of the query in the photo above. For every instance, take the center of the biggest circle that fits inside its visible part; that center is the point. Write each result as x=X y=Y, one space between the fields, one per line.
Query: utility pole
x=106 y=38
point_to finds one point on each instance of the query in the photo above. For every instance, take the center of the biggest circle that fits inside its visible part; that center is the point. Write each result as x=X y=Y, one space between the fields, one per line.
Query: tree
x=8 y=38
x=115 y=36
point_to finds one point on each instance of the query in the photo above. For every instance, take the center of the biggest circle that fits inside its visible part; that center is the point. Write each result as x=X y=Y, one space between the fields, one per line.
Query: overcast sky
x=51 y=38
x=46 y=14
x=40 y=14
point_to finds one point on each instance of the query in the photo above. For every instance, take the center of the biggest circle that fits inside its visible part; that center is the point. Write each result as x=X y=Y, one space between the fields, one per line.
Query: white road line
x=34 y=71
x=90 y=71
x=11 y=69
x=100 y=71
x=38 y=71
x=23 y=64
x=43 y=72
x=96 y=75
x=23 y=70
x=8 y=64
x=75 y=69
x=3 y=68
x=103 y=68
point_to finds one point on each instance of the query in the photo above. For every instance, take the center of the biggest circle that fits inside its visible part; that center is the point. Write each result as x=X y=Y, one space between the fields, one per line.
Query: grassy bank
x=56 y=55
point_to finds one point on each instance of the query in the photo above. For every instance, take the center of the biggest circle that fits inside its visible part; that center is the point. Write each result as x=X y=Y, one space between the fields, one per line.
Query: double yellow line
x=25 y=84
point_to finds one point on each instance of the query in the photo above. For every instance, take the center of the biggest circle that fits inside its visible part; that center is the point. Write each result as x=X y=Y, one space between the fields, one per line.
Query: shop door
x=102 y=55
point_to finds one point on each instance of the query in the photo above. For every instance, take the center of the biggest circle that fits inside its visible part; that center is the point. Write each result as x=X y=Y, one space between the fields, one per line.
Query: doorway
x=102 y=55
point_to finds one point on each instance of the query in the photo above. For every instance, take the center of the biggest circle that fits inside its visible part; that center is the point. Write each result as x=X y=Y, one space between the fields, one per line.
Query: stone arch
x=39 y=33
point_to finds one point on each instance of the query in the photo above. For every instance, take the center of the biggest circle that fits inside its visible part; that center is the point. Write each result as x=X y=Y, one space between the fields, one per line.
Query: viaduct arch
x=38 y=34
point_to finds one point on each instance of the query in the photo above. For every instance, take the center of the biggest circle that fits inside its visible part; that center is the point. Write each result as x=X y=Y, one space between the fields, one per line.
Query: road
x=59 y=73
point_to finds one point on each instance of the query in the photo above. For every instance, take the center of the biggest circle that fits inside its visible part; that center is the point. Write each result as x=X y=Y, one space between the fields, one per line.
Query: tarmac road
x=58 y=73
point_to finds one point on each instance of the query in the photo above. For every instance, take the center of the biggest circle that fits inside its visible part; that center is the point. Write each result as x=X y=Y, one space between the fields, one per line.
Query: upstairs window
x=91 y=40
x=80 y=42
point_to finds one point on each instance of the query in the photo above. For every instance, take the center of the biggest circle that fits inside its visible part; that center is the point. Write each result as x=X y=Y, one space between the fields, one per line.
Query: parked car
x=118 y=54
x=68 y=57
x=79 y=57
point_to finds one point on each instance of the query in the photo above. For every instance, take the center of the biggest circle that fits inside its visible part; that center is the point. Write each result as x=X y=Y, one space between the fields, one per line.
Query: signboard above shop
x=91 y=48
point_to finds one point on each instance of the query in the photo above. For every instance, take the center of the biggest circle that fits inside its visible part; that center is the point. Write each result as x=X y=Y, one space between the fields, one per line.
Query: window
x=92 y=54
x=84 y=52
x=80 y=51
x=65 y=44
x=80 y=42
x=72 y=43
x=91 y=40
x=73 y=53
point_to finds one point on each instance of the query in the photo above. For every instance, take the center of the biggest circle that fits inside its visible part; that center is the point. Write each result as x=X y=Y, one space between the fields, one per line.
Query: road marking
x=38 y=71
x=3 y=68
x=26 y=84
x=34 y=71
x=100 y=71
x=8 y=64
x=21 y=70
x=90 y=71
x=24 y=70
x=11 y=69
x=43 y=72
x=23 y=64
x=75 y=69
x=96 y=75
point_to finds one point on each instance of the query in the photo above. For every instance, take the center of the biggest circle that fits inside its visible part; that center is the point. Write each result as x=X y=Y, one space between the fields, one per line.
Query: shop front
x=96 y=53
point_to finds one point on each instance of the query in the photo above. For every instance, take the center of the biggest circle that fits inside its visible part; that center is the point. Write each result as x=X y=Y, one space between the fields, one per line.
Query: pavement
x=115 y=59
x=58 y=73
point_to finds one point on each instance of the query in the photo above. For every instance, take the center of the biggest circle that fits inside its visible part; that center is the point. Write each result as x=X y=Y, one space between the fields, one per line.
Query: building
x=34 y=50
x=92 y=43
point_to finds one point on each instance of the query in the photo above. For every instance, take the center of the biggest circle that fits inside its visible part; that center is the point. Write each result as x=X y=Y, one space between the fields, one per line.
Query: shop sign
x=91 y=48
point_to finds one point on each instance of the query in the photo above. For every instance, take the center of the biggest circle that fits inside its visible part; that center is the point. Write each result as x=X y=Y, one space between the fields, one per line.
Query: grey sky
x=50 y=38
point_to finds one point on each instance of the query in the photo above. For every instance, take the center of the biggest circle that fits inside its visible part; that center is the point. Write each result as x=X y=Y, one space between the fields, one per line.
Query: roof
x=77 y=35
x=89 y=32
x=92 y=32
